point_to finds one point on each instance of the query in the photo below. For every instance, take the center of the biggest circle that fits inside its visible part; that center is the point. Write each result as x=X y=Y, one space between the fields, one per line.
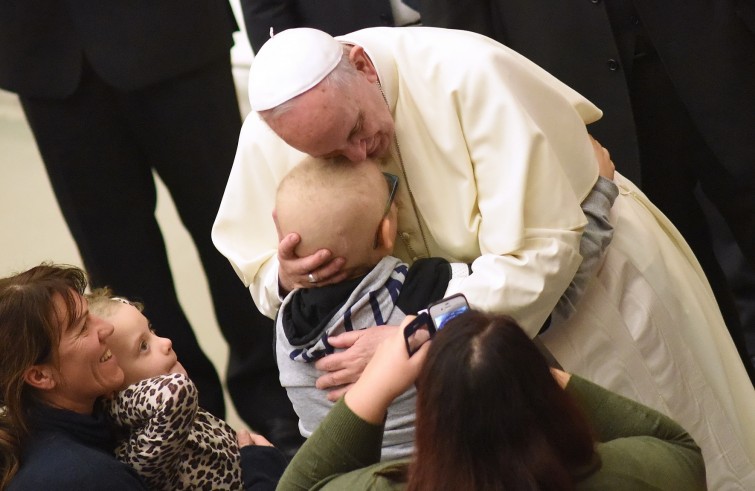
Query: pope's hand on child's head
x=318 y=269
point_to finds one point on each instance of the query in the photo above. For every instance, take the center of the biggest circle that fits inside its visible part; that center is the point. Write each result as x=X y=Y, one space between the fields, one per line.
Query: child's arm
x=597 y=234
x=595 y=239
x=158 y=414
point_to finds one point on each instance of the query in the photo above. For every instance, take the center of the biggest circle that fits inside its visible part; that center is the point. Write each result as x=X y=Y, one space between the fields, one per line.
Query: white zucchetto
x=289 y=64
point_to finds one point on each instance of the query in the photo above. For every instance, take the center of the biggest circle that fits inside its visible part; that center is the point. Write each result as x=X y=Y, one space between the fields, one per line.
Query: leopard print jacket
x=171 y=442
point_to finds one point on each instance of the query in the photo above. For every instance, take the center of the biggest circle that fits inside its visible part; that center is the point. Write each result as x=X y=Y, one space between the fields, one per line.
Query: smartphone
x=418 y=332
x=423 y=327
x=444 y=310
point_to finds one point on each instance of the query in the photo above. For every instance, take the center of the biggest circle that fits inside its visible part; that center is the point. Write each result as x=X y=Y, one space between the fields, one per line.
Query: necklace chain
x=408 y=188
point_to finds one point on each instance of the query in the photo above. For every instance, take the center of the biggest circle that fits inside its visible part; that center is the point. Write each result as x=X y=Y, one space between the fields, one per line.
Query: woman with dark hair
x=55 y=365
x=491 y=415
x=501 y=403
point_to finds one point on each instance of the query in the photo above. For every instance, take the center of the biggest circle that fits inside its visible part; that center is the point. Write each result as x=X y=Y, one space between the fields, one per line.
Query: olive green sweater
x=638 y=449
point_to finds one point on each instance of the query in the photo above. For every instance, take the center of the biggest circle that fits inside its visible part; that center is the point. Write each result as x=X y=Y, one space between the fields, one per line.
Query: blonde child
x=170 y=441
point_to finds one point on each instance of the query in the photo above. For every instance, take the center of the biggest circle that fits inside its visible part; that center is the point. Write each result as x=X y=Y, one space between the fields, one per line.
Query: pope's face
x=352 y=121
x=140 y=352
x=85 y=368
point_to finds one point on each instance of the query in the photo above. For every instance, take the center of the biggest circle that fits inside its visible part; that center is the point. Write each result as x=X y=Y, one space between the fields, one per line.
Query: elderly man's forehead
x=317 y=101
x=317 y=117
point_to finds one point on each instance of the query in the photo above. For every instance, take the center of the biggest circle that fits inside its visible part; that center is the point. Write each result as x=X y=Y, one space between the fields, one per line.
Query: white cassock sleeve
x=244 y=230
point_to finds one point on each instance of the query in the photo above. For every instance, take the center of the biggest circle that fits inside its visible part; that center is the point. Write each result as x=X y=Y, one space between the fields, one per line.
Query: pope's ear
x=40 y=377
x=362 y=63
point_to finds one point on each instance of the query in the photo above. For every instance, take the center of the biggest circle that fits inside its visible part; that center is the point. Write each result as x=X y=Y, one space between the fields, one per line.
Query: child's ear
x=387 y=233
x=40 y=377
x=277 y=227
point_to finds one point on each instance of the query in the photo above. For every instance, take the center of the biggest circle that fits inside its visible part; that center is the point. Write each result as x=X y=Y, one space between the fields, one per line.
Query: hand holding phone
x=434 y=318
x=418 y=332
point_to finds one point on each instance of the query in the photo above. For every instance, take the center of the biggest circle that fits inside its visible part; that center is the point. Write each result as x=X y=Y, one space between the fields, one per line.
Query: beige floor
x=32 y=230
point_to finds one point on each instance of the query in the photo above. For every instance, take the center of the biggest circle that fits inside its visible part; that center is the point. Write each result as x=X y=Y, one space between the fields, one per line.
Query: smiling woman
x=56 y=363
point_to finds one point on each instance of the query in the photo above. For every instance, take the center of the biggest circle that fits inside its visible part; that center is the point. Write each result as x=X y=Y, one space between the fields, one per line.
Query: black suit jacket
x=708 y=48
x=336 y=17
x=129 y=43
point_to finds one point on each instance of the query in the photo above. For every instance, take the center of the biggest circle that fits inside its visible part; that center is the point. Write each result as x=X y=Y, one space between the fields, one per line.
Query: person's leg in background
x=104 y=186
x=674 y=160
x=190 y=127
x=729 y=205
x=738 y=270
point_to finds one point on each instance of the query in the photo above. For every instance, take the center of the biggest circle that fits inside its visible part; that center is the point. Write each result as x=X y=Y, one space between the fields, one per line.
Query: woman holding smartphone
x=491 y=414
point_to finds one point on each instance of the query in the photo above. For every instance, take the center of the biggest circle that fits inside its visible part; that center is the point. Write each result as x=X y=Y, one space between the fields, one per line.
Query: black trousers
x=675 y=160
x=100 y=147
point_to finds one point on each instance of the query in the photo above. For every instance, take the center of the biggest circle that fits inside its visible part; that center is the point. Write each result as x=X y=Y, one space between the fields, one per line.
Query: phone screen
x=446 y=309
x=423 y=327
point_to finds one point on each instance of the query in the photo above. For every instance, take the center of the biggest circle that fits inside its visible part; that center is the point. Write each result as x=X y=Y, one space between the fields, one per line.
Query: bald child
x=341 y=206
x=349 y=208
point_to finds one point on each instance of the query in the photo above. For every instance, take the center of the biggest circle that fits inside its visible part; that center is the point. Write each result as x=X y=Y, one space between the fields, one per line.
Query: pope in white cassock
x=495 y=160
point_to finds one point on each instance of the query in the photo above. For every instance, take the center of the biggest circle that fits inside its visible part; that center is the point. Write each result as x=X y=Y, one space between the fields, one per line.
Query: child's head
x=341 y=206
x=140 y=352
